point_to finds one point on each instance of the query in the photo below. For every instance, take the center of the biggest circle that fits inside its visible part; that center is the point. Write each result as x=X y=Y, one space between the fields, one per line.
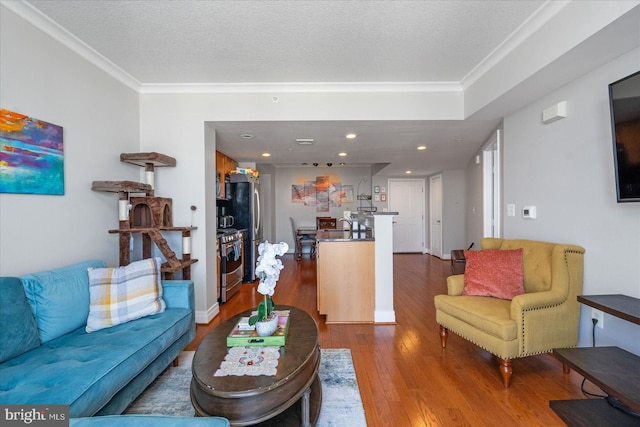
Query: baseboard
x=205 y=317
x=388 y=316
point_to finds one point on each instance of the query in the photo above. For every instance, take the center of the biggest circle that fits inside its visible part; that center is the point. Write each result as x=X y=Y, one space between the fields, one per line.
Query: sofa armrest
x=535 y=300
x=544 y=321
x=455 y=284
x=178 y=294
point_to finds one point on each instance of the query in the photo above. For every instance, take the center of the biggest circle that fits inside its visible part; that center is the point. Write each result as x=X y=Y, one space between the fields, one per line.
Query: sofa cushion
x=489 y=315
x=59 y=298
x=121 y=294
x=85 y=370
x=18 y=327
x=493 y=272
x=148 y=421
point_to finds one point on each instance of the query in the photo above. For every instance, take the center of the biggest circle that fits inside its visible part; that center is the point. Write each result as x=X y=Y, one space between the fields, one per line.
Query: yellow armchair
x=545 y=317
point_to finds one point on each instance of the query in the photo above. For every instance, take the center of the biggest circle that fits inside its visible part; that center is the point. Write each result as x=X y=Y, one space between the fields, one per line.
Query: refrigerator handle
x=257 y=220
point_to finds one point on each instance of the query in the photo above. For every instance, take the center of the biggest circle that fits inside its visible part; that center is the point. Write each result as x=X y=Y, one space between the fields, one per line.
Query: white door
x=435 y=214
x=406 y=196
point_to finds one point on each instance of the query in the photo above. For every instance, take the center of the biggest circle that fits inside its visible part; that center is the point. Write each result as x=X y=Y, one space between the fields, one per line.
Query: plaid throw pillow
x=118 y=295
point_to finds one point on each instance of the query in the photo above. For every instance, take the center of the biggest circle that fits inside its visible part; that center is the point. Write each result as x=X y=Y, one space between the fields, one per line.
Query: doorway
x=491 y=187
x=406 y=196
x=435 y=214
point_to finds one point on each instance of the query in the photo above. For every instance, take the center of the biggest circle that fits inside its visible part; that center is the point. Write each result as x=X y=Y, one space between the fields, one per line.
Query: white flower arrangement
x=268 y=270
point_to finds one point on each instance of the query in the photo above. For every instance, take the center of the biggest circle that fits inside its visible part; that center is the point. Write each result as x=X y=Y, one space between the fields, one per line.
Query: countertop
x=344 y=236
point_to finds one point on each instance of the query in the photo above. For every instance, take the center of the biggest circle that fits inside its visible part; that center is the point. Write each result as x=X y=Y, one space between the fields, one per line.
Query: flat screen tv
x=624 y=99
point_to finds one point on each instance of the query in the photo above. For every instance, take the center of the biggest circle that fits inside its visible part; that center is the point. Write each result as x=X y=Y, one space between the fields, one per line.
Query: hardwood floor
x=405 y=378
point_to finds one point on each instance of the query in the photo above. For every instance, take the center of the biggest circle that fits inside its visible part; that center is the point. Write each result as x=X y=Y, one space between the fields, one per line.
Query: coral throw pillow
x=494 y=273
x=121 y=294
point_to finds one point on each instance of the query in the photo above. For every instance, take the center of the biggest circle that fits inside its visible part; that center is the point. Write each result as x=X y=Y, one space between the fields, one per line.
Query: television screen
x=624 y=97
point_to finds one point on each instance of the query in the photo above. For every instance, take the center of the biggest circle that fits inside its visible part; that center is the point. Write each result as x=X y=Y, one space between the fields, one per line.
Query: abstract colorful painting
x=309 y=193
x=297 y=193
x=31 y=155
x=323 y=193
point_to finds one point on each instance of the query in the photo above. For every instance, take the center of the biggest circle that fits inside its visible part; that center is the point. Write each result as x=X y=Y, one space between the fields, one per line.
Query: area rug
x=341 y=401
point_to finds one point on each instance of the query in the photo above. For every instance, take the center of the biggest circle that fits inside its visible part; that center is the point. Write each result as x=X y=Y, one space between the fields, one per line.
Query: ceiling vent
x=304 y=141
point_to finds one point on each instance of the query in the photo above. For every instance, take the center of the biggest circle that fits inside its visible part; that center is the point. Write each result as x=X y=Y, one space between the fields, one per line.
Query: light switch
x=511 y=209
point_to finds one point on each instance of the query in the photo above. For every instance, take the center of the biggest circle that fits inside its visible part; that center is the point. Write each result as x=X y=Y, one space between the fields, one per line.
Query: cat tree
x=148 y=215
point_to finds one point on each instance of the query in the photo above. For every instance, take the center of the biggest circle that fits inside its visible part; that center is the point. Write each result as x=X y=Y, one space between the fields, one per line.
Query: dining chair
x=301 y=240
x=325 y=223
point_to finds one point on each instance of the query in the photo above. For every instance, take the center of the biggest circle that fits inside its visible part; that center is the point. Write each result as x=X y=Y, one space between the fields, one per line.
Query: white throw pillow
x=120 y=294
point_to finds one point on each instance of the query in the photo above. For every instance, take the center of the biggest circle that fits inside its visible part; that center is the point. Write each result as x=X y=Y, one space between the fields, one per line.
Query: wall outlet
x=598 y=315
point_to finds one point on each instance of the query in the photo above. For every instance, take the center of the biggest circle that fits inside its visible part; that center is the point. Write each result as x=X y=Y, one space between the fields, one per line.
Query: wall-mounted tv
x=624 y=99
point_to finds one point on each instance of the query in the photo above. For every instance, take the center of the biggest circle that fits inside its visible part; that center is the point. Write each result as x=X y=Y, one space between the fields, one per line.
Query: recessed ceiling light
x=304 y=141
x=422 y=147
x=342 y=154
x=351 y=136
x=407 y=172
x=246 y=136
x=266 y=154
x=342 y=164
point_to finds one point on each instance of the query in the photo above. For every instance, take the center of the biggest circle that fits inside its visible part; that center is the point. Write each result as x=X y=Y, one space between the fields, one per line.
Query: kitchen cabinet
x=346 y=281
x=224 y=166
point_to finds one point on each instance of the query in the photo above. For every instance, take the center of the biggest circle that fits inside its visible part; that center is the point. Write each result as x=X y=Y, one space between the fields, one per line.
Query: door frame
x=492 y=186
x=431 y=214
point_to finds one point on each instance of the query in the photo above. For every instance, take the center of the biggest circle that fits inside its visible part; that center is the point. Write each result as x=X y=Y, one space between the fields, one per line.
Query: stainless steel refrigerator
x=246 y=208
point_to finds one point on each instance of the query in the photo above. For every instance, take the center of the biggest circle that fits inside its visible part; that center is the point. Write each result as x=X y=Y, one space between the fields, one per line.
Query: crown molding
x=527 y=29
x=36 y=18
x=324 y=87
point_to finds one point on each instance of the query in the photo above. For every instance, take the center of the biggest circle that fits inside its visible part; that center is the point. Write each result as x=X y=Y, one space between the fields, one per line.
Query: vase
x=267 y=327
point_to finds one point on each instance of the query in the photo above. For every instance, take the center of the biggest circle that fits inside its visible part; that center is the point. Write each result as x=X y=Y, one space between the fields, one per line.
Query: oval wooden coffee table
x=290 y=398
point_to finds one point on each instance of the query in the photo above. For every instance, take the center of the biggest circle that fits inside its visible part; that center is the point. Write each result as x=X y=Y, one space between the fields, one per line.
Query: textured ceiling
x=229 y=42
x=291 y=41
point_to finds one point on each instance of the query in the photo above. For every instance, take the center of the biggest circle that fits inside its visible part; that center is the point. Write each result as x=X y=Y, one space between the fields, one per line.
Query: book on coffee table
x=240 y=336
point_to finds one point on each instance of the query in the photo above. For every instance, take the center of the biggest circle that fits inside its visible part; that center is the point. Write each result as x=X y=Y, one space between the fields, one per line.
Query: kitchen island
x=355 y=273
x=345 y=263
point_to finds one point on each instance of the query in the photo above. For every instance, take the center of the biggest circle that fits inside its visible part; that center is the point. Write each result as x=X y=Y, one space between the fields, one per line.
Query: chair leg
x=565 y=368
x=444 y=334
x=506 y=371
x=176 y=362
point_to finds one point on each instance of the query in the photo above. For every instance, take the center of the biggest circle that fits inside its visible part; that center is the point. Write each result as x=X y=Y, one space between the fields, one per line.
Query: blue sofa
x=46 y=357
x=148 y=421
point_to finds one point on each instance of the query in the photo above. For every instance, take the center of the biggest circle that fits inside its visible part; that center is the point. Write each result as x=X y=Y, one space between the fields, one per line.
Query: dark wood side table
x=290 y=398
x=613 y=369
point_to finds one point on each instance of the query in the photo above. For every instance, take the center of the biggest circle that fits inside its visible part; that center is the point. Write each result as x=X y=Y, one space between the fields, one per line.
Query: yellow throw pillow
x=118 y=295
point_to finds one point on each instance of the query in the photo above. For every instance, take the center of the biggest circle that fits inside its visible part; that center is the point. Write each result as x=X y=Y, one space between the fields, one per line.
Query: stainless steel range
x=231 y=262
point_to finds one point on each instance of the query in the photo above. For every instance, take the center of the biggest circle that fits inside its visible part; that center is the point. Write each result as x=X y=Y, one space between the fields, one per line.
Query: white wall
x=565 y=169
x=474 y=214
x=306 y=215
x=43 y=79
x=178 y=124
x=453 y=212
